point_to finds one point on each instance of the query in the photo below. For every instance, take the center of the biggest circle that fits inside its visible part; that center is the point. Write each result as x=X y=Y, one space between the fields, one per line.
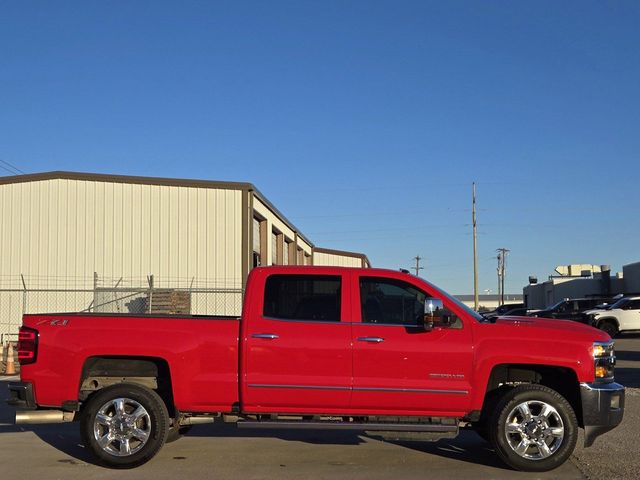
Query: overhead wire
x=15 y=169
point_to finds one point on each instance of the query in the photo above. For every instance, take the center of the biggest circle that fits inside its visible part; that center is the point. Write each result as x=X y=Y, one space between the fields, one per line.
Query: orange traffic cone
x=11 y=367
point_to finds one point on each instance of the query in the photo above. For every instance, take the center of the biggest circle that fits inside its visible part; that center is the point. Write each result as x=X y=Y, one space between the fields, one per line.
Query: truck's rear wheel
x=124 y=425
x=533 y=428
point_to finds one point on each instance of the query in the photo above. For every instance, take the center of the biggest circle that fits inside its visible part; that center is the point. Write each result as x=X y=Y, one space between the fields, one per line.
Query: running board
x=377 y=427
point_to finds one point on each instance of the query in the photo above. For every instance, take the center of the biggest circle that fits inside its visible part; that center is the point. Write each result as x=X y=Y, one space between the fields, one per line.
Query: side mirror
x=433 y=309
x=433 y=306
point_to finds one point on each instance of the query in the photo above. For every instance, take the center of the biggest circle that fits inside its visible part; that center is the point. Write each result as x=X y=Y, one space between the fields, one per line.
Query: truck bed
x=202 y=352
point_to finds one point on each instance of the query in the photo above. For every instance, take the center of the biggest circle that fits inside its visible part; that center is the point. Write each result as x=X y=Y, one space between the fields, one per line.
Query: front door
x=398 y=366
x=298 y=347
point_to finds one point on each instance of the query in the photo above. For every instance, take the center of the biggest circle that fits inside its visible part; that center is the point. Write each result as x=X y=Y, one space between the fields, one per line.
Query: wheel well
x=611 y=320
x=562 y=380
x=104 y=371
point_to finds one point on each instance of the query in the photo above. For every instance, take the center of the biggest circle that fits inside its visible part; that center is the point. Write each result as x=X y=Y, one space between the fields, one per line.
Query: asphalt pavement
x=615 y=454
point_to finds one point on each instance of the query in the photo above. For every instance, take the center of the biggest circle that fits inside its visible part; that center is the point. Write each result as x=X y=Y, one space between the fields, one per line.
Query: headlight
x=604 y=361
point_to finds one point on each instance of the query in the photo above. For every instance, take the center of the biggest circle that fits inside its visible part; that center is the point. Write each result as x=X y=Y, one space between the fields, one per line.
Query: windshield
x=470 y=311
x=556 y=306
x=619 y=304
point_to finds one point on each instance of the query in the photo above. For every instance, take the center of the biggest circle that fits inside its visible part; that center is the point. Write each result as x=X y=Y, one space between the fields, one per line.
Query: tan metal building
x=339 y=258
x=93 y=233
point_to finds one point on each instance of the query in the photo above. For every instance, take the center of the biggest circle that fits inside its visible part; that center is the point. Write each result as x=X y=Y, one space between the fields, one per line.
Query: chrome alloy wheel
x=122 y=427
x=534 y=430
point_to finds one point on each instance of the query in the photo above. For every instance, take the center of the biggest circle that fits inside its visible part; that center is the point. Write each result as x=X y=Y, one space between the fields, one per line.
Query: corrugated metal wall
x=58 y=232
x=274 y=222
x=331 y=259
x=71 y=228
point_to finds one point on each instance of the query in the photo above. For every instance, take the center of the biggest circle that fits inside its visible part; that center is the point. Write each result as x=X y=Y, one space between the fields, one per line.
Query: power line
x=7 y=170
x=16 y=169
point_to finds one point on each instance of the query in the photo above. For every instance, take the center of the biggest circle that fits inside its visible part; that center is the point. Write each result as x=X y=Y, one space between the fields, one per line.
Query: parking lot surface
x=615 y=455
x=223 y=452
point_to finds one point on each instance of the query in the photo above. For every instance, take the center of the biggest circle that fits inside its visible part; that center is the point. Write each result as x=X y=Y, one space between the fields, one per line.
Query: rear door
x=399 y=368
x=297 y=345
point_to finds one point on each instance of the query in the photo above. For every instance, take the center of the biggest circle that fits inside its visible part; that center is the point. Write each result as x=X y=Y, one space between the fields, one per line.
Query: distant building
x=579 y=281
x=490 y=302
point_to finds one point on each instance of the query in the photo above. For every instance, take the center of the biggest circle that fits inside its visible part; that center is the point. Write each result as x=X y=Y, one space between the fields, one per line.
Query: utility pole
x=502 y=269
x=417 y=258
x=475 y=251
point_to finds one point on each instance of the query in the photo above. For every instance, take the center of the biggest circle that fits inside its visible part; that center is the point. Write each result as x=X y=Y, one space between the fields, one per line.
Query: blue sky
x=364 y=122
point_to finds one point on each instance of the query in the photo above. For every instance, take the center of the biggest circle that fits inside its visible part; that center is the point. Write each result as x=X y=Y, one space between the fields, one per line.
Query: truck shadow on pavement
x=62 y=437
x=467 y=447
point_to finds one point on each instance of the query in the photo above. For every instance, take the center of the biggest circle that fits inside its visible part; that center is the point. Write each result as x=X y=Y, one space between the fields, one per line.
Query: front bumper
x=602 y=408
x=21 y=395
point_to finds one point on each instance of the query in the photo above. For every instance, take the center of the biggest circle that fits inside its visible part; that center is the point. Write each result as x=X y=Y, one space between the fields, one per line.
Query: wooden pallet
x=169 y=302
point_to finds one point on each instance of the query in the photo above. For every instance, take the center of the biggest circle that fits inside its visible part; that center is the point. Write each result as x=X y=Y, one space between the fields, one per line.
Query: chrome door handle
x=266 y=336
x=371 y=339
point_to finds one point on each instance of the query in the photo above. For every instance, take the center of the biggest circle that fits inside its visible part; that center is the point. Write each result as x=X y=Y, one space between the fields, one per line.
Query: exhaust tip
x=30 y=417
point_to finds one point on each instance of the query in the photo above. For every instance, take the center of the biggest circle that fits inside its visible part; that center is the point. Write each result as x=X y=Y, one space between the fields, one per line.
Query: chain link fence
x=120 y=296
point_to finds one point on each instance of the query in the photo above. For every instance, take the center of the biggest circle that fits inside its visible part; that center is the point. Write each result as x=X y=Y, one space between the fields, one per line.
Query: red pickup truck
x=331 y=348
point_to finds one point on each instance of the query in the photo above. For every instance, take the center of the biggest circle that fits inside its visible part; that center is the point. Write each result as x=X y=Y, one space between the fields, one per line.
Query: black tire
x=154 y=424
x=491 y=400
x=533 y=456
x=609 y=328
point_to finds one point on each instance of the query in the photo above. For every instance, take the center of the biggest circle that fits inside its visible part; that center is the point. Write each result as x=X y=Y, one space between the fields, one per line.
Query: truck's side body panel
x=513 y=342
x=296 y=366
x=307 y=366
x=410 y=369
x=201 y=353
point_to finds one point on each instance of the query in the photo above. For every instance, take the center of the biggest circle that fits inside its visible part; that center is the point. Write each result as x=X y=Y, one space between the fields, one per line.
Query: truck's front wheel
x=533 y=428
x=124 y=425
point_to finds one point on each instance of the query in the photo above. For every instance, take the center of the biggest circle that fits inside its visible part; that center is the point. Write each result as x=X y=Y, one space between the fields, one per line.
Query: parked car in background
x=622 y=316
x=517 y=312
x=571 y=308
x=502 y=310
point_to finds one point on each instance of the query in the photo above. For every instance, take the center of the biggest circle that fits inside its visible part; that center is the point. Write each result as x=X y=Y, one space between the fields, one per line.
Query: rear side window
x=303 y=297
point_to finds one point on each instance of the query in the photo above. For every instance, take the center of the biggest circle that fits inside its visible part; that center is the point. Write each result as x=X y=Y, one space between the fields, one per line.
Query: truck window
x=388 y=301
x=303 y=297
